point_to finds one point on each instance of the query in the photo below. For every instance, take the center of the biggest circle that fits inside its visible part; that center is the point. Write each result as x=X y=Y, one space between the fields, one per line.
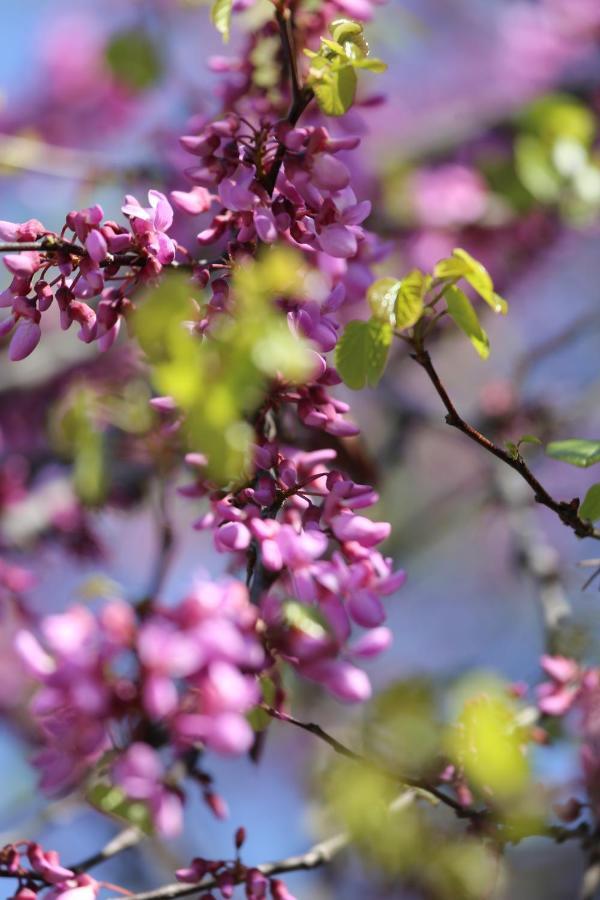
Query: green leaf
x=134 y=59
x=590 y=508
x=461 y=311
x=308 y=619
x=362 y=351
x=371 y=65
x=462 y=265
x=345 y=29
x=533 y=164
x=529 y=439
x=220 y=15
x=575 y=451
x=111 y=800
x=409 y=300
x=381 y=297
x=336 y=90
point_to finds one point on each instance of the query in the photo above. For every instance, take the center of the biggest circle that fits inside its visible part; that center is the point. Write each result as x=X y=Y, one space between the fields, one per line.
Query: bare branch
x=565 y=510
x=318 y=855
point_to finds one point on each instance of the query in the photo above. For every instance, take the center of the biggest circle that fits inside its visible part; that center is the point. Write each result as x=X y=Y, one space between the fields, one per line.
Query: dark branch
x=52 y=245
x=463 y=812
x=565 y=510
x=301 y=96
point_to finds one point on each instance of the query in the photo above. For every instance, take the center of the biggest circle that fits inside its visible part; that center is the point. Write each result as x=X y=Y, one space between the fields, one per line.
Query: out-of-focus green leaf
x=534 y=167
x=219 y=381
x=575 y=451
x=529 y=439
x=488 y=743
x=362 y=351
x=462 y=265
x=390 y=831
x=111 y=800
x=401 y=726
x=590 y=508
x=461 y=311
x=134 y=59
x=307 y=619
x=557 y=116
x=76 y=434
x=221 y=17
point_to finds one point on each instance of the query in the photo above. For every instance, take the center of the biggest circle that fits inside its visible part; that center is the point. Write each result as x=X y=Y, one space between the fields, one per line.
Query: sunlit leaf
x=462 y=265
x=111 y=800
x=335 y=90
x=576 y=451
x=488 y=742
x=362 y=351
x=381 y=297
x=221 y=17
x=409 y=299
x=460 y=309
x=590 y=508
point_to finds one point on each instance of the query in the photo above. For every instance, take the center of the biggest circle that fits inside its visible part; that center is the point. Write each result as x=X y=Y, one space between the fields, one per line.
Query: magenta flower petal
x=96 y=246
x=24 y=341
x=193 y=202
x=338 y=241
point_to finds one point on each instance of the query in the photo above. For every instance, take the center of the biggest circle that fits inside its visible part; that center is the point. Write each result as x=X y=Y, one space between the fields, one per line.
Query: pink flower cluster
x=300 y=521
x=573 y=687
x=36 y=869
x=185 y=673
x=227 y=874
x=87 y=263
x=312 y=205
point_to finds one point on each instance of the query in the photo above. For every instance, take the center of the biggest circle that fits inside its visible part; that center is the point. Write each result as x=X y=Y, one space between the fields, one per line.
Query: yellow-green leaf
x=335 y=90
x=409 y=299
x=221 y=17
x=362 y=351
x=462 y=265
x=590 y=508
x=381 y=297
x=460 y=310
x=575 y=451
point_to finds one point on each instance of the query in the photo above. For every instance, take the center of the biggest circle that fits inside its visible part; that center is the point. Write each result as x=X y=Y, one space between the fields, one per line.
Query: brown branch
x=565 y=510
x=50 y=245
x=462 y=812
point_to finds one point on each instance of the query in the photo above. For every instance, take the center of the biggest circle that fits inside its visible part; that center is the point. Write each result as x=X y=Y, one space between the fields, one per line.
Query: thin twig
x=463 y=812
x=124 y=840
x=318 y=855
x=565 y=510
